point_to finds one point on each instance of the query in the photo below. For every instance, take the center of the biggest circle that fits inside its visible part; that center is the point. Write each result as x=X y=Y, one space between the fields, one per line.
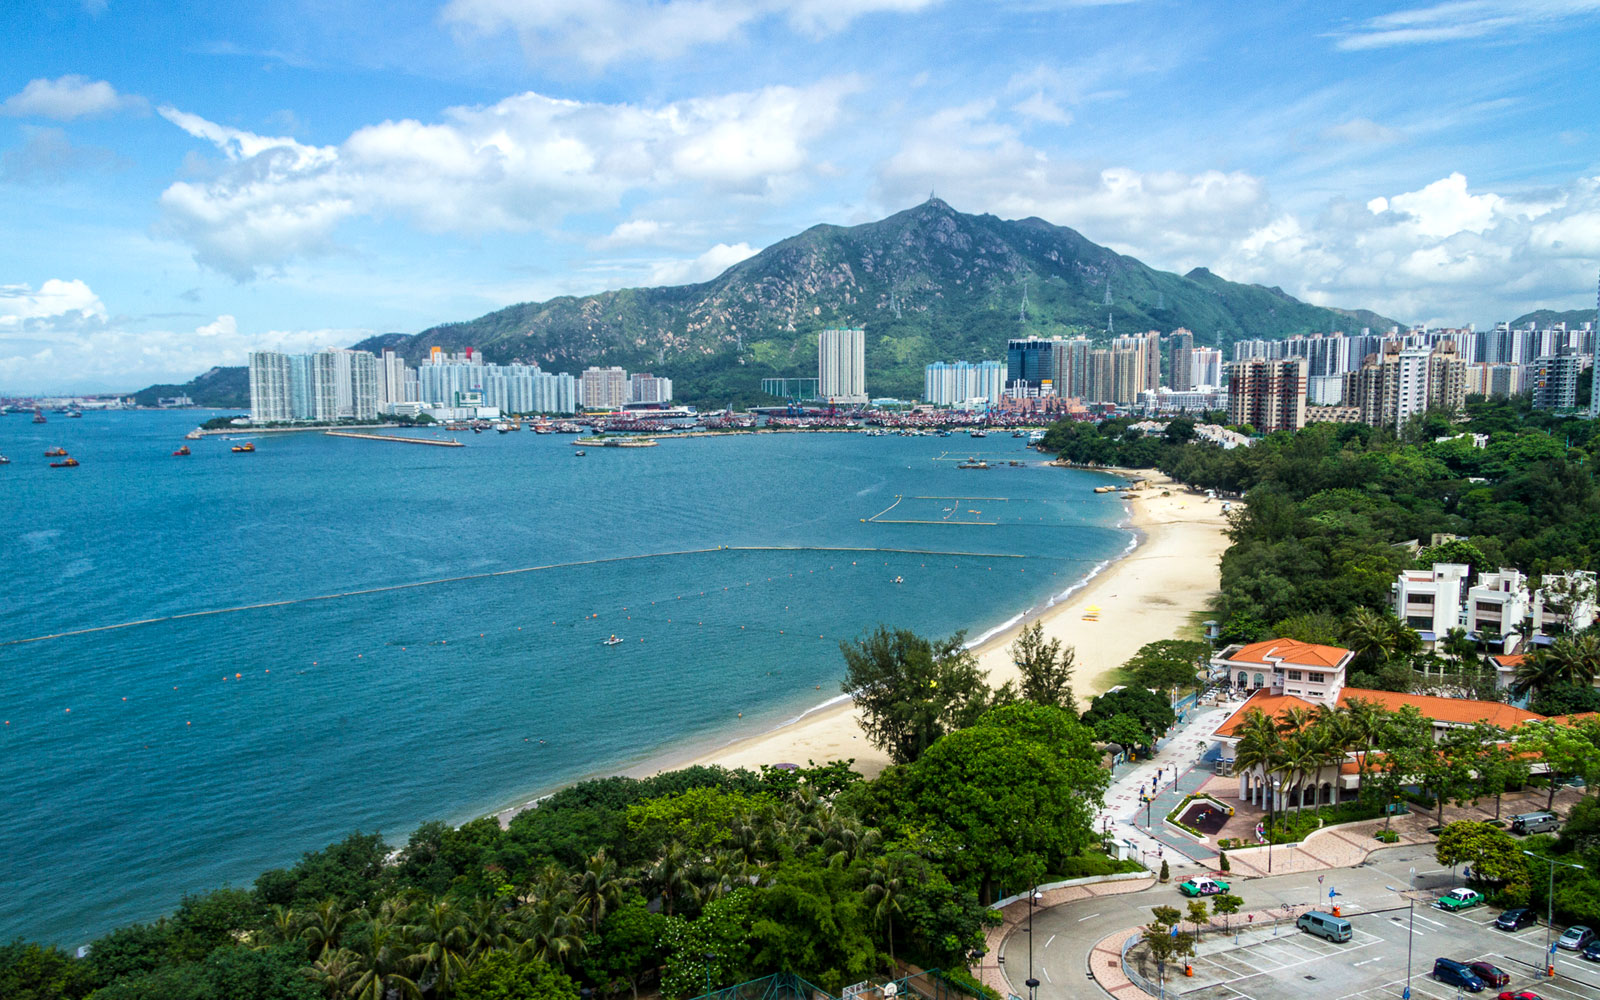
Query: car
x=1574 y=938
x=1519 y=995
x=1459 y=899
x=1492 y=975
x=1201 y=885
x=1517 y=918
x=1591 y=951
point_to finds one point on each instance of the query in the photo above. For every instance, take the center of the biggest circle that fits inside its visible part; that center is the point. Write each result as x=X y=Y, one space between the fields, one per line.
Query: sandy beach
x=1149 y=594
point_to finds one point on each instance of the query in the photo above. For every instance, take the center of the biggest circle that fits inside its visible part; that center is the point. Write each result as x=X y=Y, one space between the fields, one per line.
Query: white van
x=1325 y=925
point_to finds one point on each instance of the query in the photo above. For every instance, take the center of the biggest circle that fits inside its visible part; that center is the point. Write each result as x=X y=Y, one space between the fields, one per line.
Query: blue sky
x=180 y=183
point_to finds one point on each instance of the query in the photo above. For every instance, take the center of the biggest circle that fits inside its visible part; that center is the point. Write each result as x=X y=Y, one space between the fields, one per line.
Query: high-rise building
x=1594 y=335
x=605 y=388
x=301 y=405
x=363 y=385
x=392 y=381
x=1031 y=361
x=948 y=383
x=1206 y=368
x=842 y=365
x=1102 y=378
x=1071 y=363
x=646 y=388
x=269 y=387
x=1268 y=395
x=1554 y=380
x=1180 y=361
x=325 y=386
x=1400 y=381
x=1152 y=362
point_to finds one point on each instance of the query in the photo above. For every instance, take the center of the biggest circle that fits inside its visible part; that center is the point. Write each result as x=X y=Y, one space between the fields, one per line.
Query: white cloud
x=702 y=268
x=1041 y=108
x=68 y=97
x=61 y=336
x=1364 y=131
x=634 y=232
x=1457 y=20
x=524 y=162
x=601 y=32
x=1444 y=208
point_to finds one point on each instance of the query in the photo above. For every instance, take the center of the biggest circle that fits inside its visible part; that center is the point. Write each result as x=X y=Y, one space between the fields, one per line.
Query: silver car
x=1575 y=937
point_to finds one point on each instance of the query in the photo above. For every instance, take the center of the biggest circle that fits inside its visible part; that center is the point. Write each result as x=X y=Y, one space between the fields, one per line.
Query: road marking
x=1089 y=917
x=1428 y=921
x=1046 y=974
x=1052 y=938
x=1368 y=961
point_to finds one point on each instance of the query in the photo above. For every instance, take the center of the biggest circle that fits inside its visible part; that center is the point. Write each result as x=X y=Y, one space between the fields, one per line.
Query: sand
x=1151 y=593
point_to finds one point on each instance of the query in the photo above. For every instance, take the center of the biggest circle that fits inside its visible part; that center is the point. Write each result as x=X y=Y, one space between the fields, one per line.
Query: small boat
x=610 y=642
x=973 y=463
x=1017 y=434
x=248 y=446
x=74 y=414
x=56 y=452
x=4 y=460
x=1105 y=489
x=977 y=434
x=181 y=452
x=1016 y=465
x=38 y=417
x=65 y=463
x=579 y=453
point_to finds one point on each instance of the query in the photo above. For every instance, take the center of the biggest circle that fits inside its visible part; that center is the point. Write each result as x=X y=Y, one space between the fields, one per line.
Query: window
x=1294 y=675
x=1260 y=682
x=1316 y=678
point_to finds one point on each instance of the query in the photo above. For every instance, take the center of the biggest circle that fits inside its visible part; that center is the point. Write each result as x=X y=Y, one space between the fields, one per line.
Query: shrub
x=1089 y=865
x=964 y=981
x=1388 y=836
x=1222 y=861
x=1166 y=873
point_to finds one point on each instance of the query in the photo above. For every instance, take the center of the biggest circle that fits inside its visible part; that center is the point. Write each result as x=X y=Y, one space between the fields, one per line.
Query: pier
x=439 y=442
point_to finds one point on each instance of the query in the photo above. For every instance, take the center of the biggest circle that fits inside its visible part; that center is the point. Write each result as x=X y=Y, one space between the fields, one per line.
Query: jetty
x=438 y=442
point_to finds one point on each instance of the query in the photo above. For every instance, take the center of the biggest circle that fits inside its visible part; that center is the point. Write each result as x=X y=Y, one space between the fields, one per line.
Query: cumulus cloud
x=68 y=97
x=1457 y=20
x=61 y=337
x=702 y=268
x=601 y=32
x=527 y=161
x=1441 y=253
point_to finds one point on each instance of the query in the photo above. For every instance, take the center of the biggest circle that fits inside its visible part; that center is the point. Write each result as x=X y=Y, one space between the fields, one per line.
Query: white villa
x=1498 y=609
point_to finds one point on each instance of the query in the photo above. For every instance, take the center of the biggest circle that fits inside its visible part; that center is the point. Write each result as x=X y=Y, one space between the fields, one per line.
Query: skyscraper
x=1268 y=395
x=363 y=385
x=948 y=383
x=605 y=388
x=842 y=366
x=269 y=387
x=1180 y=363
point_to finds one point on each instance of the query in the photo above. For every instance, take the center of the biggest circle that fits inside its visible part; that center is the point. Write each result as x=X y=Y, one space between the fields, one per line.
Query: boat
x=1105 y=489
x=973 y=463
x=65 y=463
x=38 y=417
x=4 y=460
x=248 y=446
x=194 y=435
x=56 y=452
x=181 y=452
x=1015 y=464
x=579 y=453
x=1017 y=434
x=74 y=414
x=977 y=434
x=610 y=642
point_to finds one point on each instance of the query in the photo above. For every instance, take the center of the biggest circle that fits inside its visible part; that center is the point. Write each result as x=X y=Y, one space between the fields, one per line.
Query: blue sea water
x=193 y=750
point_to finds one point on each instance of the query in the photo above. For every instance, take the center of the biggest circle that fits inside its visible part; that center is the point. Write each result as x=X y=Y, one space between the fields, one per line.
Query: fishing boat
x=65 y=463
x=248 y=446
x=74 y=414
x=56 y=452
x=38 y=417
x=977 y=434
x=181 y=452
x=610 y=642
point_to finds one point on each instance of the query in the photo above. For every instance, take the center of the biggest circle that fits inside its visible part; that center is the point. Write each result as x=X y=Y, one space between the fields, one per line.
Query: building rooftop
x=1269 y=651
x=1458 y=711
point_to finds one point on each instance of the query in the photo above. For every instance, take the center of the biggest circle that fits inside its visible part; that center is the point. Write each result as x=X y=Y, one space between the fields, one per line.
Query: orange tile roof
x=1271 y=705
x=1463 y=711
x=1292 y=651
x=1510 y=659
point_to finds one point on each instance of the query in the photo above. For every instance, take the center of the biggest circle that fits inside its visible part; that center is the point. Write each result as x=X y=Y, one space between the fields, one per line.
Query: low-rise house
x=1497 y=608
x=1429 y=600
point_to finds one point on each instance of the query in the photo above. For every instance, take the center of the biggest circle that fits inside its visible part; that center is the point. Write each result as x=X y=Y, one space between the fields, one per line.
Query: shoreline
x=1170 y=570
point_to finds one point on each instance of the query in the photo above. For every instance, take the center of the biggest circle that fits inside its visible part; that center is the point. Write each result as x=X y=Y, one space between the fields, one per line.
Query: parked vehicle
x=1591 y=951
x=1575 y=938
x=1325 y=925
x=1492 y=975
x=1517 y=918
x=1202 y=885
x=1519 y=995
x=1535 y=822
x=1459 y=899
x=1453 y=973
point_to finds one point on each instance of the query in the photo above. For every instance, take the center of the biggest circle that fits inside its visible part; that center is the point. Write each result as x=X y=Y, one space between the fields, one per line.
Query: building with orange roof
x=1285 y=666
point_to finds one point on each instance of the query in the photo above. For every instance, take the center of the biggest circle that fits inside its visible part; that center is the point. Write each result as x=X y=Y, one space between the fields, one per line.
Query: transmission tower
x=1022 y=314
x=1594 y=397
x=1107 y=300
x=1161 y=300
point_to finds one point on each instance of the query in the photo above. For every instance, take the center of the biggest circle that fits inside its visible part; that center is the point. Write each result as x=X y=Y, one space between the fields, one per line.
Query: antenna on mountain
x=1111 y=327
x=931 y=196
x=1022 y=314
x=1161 y=300
x=1107 y=300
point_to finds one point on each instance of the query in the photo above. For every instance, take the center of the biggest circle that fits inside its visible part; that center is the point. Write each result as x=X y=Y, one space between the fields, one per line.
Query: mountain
x=927 y=284
x=224 y=388
x=1543 y=318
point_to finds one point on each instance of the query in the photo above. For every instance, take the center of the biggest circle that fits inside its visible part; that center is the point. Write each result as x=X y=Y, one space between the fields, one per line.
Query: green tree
x=1495 y=857
x=713 y=951
x=442 y=945
x=1153 y=712
x=625 y=947
x=1316 y=627
x=1123 y=730
x=34 y=972
x=910 y=690
x=1199 y=915
x=1168 y=664
x=886 y=893
x=249 y=974
x=1566 y=751
x=1045 y=667
x=1569 y=660
x=502 y=976
x=1225 y=905
x=598 y=887
x=1378 y=637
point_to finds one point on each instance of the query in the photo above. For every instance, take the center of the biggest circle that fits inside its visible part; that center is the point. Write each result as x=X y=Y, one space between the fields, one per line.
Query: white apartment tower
x=605 y=388
x=842 y=366
x=269 y=387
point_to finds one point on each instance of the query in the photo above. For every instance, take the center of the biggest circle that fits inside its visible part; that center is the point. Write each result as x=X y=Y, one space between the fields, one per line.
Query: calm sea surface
x=193 y=750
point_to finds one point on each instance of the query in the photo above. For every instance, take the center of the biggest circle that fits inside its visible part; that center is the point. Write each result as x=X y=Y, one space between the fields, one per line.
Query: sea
x=212 y=664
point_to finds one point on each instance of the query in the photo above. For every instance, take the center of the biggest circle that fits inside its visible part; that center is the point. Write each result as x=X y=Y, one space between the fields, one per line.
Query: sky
x=183 y=183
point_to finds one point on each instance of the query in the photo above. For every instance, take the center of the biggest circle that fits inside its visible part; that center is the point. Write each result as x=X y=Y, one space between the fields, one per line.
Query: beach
x=1150 y=593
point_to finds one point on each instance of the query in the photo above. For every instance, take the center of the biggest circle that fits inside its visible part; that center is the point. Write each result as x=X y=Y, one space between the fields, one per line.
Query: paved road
x=1374 y=893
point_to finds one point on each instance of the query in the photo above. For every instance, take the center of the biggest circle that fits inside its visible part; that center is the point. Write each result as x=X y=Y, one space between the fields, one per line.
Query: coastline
x=1149 y=592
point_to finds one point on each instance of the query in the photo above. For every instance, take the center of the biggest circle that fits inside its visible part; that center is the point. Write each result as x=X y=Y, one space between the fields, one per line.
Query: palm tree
x=1377 y=637
x=1260 y=746
x=283 y=925
x=336 y=971
x=1573 y=659
x=1365 y=723
x=670 y=874
x=547 y=929
x=885 y=892
x=486 y=925
x=442 y=946
x=598 y=886
x=325 y=925
x=384 y=963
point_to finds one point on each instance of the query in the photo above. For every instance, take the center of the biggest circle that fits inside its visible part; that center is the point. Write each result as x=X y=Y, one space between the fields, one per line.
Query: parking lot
x=1294 y=965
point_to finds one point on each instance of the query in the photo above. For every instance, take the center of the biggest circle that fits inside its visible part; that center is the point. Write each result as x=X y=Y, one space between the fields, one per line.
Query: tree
x=597 y=887
x=442 y=944
x=1457 y=550
x=911 y=690
x=1222 y=862
x=625 y=947
x=715 y=949
x=1569 y=660
x=1378 y=637
x=1168 y=664
x=1153 y=712
x=1565 y=750
x=1565 y=699
x=1495 y=857
x=248 y=974
x=502 y=976
x=35 y=972
x=885 y=893
x=1225 y=905
x=1316 y=627
x=1122 y=730
x=1199 y=915
x=384 y=965
x=1045 y=668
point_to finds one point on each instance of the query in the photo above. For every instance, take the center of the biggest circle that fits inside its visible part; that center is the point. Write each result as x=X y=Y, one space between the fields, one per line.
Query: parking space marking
x=1052 y=938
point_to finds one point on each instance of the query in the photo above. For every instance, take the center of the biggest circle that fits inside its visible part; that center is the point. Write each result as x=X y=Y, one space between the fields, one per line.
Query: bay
x=198 y=749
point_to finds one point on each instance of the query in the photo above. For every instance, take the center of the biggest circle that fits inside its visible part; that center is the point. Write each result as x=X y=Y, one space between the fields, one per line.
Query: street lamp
x=710 y=957
x=1411 y=935
x=1272 y=810
x=1550 y=916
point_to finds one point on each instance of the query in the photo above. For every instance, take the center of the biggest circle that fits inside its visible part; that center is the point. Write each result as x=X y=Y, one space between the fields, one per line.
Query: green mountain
x=927 y=284
x=1543 y=318
x=226 y=387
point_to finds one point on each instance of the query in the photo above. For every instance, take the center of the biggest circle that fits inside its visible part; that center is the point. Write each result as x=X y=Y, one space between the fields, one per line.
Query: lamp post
x=1411 y=935
x=1272 y=810
x=709 y=959
x=1033 y=901
x=1549 y=920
